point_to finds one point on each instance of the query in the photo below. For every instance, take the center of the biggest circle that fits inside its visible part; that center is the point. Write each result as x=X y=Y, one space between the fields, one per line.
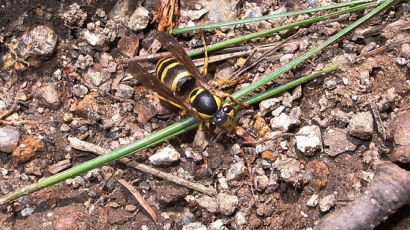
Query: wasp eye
x=227 y=109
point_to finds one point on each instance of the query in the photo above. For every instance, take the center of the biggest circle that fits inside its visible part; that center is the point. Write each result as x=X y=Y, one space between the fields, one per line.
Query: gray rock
x=165 y=156
x=74 y=16
x=405 y=50
x=139 y=19
x=287 y=99
x=401 y=61
x=240 y=219
x=34 y=167
x=227 y=203
x=308 y=140
x=50 y=95
x=267 y=105
x=261 y=182
x=297 y=92
x=217 y=225
x=291 y=170
x=361 y=125
x=40 y=41
x=284 y=122
x=278 y=111
x=125 y=91
x=27 y=211
x=94 y=39
x=285 y=58
x=194 y=14
x=209 y=203
x=221 y=11
x=80 y=90
x=327 y=202
x=9 y=138
x=313 y=200
x=96 y=75
x=236 y=171
x=337 y=141
x=401 y=128
x=194 y=226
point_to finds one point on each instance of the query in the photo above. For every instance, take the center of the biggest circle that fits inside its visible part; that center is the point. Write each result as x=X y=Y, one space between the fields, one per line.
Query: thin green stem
x=287 y=86
x=248 y=37
x=266 y=17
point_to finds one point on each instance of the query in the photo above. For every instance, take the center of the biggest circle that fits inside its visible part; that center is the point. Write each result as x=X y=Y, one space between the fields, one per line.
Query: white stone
x=165 y=156
x=308 y=140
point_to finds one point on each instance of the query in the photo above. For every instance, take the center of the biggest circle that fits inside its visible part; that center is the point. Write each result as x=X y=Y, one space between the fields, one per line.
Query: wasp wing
x=173 y=46
x=151 y=82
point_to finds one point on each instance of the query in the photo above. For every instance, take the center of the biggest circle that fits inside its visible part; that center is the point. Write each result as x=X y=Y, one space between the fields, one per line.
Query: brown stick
x=139 y=198
x=89 y=147
x=389 y=190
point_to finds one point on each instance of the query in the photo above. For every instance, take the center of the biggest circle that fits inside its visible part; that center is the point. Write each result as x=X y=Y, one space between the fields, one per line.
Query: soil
x=79 y=89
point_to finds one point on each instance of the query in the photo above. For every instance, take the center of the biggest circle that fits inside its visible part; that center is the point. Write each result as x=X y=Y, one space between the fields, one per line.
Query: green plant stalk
x=155 y=138
x=176 y=128
x=266 y=17
x=248 y=37
x=305 y=56
x=269 y=93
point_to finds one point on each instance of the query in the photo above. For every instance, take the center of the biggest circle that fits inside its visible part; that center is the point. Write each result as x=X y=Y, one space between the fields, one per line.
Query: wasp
x=180 y=83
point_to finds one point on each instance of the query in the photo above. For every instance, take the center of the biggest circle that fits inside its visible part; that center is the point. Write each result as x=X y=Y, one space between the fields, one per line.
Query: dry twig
x=89 y=147
x=389 y=190
x=139 y=198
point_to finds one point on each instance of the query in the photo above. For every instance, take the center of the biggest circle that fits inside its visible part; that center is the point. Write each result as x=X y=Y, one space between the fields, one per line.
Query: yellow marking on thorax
x=164 y=73
x=177 y=78
x=204 y=116
x=192 y=97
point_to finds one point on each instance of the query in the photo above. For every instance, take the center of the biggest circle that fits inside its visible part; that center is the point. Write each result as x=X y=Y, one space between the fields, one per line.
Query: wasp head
x=224 y=117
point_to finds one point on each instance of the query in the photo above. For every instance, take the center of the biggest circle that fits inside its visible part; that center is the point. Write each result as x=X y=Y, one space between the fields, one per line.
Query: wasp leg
x=225 y=95
x=220 y=82
x=205 y=70
x=201 y=126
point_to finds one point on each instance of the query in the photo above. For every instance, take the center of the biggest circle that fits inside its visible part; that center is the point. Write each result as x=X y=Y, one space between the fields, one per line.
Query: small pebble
x=227 y=203
x=209 y=203
x=236 y=171
x=139 y=19
x=9 y=138
x=284 y=122
x=40 y=41
x=308 y=140
x=27 y=211
x=194 y=226
x=313 y=200
x=165 y=156
x=327 y=202
x=337 y=141
x=361 y=125
x=80 y=90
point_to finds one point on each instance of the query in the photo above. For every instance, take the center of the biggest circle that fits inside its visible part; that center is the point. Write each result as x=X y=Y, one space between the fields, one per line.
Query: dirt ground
x=62 y=75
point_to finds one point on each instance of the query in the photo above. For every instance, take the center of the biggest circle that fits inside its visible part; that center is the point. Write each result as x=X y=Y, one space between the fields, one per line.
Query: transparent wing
x=173 y=46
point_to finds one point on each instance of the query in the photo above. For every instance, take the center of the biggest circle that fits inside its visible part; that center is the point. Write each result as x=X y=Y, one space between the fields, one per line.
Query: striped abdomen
x=174 y=75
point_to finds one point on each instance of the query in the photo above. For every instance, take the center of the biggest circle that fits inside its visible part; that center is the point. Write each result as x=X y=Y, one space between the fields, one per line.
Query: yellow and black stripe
x=175 y=76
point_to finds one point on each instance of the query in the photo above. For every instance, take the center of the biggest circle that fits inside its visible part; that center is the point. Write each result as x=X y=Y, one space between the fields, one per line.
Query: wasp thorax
x=204 y=102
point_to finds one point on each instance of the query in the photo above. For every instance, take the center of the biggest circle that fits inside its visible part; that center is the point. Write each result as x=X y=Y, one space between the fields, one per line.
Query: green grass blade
x=266 y=17
x=248 y=37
